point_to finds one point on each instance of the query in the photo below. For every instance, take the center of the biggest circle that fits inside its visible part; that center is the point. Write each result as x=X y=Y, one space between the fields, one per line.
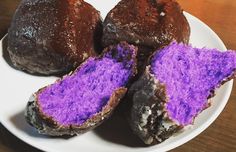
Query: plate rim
x=172 y=145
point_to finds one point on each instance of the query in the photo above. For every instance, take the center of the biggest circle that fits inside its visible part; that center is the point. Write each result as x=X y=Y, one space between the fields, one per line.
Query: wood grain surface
x=220 y=15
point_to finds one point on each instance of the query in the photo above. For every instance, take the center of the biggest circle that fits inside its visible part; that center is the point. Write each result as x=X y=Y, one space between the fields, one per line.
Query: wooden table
x=220 y=15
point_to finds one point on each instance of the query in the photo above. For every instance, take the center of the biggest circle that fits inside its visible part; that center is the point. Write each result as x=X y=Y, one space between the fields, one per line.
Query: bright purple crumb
x=77 y=98
x=190 y=74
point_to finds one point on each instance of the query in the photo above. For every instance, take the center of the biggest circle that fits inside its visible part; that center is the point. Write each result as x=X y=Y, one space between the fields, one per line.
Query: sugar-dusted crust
x=148 y=117
x=52 y=36
x=47 y=125
x=149 y=24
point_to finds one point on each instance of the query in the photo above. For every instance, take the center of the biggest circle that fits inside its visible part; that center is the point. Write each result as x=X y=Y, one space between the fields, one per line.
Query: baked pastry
x=148 y=24
x=84 y=99
x=176 y=88
x=53 y=36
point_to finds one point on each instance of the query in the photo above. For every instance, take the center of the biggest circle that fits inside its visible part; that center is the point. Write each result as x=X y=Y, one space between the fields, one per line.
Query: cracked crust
x=148 y=117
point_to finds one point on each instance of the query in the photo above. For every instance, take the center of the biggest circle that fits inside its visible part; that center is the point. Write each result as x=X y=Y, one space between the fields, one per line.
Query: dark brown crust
x=53 y=36
x=149 y=24
x=46 y=125
x=148 y=97
x=148 y=117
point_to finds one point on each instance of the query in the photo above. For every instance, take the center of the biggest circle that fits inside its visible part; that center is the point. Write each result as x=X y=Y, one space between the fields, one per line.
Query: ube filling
x=77 y=98
x=190 y=75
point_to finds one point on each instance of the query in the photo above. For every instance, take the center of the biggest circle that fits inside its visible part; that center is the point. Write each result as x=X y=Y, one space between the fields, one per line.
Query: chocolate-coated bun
x=53 y=36
x=149 y=24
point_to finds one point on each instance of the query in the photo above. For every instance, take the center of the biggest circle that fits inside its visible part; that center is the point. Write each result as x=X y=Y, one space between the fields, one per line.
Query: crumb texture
x=191 y=76
x=83 y=94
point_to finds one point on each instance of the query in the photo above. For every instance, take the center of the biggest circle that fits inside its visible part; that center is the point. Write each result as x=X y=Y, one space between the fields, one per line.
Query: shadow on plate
x=117 y=130
x=20 y=123
x=12 y=143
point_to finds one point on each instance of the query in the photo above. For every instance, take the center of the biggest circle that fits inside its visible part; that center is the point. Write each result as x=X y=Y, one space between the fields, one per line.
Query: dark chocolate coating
x=149 y=24
x=46 y=125
x=147 y=117
x=53 y=36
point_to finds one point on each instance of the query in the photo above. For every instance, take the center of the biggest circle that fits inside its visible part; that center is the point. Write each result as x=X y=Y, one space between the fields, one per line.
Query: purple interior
x=77 y=98
x=190 y=74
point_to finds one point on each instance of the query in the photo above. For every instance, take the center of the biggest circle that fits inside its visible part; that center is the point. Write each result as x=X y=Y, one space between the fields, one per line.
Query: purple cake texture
x=83 y=99
x=175 y=89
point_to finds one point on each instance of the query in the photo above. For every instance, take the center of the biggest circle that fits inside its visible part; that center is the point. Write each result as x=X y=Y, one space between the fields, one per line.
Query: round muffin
x=53 y=36
x=149 y=24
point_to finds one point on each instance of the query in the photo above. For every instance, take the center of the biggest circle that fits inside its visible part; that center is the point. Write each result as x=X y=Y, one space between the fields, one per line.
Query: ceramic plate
x=113 y=135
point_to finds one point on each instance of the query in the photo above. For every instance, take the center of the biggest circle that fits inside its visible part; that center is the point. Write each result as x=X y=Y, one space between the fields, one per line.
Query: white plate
x=17 y=86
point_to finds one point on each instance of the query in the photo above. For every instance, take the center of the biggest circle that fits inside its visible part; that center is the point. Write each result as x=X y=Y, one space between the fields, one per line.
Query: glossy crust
x=149 y=24
x=53 y=36
x=46 y=125
x=148 y=117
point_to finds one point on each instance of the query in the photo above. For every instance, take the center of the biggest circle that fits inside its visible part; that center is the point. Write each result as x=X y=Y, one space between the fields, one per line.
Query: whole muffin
x=53 y=36
x=149 y=24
